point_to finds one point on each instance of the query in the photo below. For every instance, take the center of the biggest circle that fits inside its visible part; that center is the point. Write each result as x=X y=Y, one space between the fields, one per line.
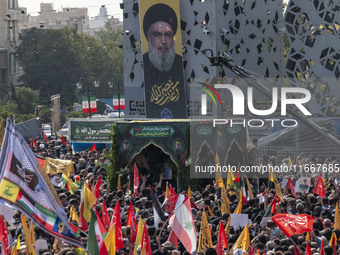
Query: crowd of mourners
x=266 y=237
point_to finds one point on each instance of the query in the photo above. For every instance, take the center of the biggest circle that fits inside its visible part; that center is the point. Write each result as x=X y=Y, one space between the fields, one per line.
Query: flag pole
x=297 y=247
x=160 y=232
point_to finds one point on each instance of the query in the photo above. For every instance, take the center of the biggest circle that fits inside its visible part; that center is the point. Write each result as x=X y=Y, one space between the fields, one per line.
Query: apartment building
x=10 y=13
x=49 y=18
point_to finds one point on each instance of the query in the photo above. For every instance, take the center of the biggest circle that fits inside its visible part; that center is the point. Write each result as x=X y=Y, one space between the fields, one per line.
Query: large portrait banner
x=162 y=59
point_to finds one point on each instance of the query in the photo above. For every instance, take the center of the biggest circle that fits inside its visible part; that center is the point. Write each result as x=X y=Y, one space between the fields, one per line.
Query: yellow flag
x=218 y=175
x=139 y=235
x=271 y=173
x=54 y=166
x=230 y=179
x=205 y=235
x=32 y=233
x=189 y=192
x=89 y=201
x=243 y=241
x=74 y=214
x=167 y=192
x=308 y=237
x=250 y=190
x=71 y=185
x=272 y=178
x=337 y=217
x=29 y=246
x=56 y=246
x=290 y=161
x=225 y=208
x=227 y=228
x=9 y=190
x=333 y=241
x=119 y=185
x=110 y=241
x=16 y=248
x=238 y=209
x=210 y=212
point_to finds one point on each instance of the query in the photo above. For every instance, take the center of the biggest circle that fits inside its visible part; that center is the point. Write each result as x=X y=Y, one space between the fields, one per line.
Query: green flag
x=92 y=244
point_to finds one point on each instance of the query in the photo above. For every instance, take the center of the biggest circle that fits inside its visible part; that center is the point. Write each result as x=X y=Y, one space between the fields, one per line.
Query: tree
x=26 y=99
x=112 y=38
x=50 y=63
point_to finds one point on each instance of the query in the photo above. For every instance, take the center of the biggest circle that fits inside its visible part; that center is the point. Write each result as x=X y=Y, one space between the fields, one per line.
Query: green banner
x=91 y=131
x=171 y=137
x=152 y=131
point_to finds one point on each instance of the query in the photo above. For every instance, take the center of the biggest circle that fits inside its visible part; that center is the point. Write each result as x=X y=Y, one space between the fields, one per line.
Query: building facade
x=10 y=14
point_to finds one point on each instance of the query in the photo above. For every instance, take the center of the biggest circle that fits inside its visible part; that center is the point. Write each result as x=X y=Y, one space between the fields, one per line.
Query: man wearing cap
x=163 y=68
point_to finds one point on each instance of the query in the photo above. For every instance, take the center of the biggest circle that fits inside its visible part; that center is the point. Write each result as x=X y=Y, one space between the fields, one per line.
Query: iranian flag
x=183 y=225
x=85 y=104
x=116 y=103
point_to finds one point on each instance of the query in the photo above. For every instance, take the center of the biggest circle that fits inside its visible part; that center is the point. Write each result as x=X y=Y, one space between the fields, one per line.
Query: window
x=3 y=75
x=10 y=63
x=9 y=4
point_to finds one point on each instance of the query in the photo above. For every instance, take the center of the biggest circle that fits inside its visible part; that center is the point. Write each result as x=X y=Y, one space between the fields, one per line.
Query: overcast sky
x=33 y=6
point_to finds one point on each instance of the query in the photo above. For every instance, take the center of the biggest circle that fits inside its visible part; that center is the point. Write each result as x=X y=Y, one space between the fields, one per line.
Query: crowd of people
x=265 y=236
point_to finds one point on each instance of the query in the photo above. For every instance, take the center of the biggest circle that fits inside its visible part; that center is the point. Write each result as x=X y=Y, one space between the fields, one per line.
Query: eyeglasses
x=158 y=35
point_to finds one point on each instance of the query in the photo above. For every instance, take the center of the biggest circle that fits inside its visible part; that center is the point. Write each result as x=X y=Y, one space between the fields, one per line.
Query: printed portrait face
x=161 y=37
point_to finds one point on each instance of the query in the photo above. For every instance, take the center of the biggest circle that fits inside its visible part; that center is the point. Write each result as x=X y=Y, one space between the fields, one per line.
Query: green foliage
x=114 y=162
x=25 y=98
x=55 y=60
x=75 y=114
x=7 y=110
x=45 y=115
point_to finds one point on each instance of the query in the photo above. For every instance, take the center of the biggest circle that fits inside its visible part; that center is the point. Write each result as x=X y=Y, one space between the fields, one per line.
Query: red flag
x=294 y=224
x=273 y=205
x=308 y=250
x=33 y=144
x=46 y=138
x=222 y=241
x=105 y=215
x=94 y=148
x=251 y=251
x=173 y=239
x=290 y=185
x=135 y=181
x=321 y=248
x=131 y=221
x=319 y=188
x=63 y=140
x=146 y=241
x=237 y=178
x=41 y=160
x=118 y=227
x=296 y=250
x=172 y=200
x=244 y=194
x=5 y=246
x=96 y=190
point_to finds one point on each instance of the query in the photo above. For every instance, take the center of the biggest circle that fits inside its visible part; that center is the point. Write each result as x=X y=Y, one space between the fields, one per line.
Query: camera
x=206 y=31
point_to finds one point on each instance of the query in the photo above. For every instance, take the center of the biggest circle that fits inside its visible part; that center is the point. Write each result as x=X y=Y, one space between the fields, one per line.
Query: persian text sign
x=152 y=131
x=91 y=131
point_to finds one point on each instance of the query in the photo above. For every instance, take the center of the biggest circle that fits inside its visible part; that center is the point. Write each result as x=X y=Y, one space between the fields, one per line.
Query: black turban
x=159 y=12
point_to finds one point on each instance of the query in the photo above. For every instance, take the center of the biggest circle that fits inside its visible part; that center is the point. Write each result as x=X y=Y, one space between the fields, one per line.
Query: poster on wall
x=162 y=59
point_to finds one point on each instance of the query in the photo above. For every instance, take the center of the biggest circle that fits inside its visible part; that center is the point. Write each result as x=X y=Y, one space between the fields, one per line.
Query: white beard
x=161 y=63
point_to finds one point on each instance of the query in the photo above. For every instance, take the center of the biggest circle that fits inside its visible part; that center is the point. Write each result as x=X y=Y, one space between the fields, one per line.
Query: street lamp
x=118 y=92
x=80 y=85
